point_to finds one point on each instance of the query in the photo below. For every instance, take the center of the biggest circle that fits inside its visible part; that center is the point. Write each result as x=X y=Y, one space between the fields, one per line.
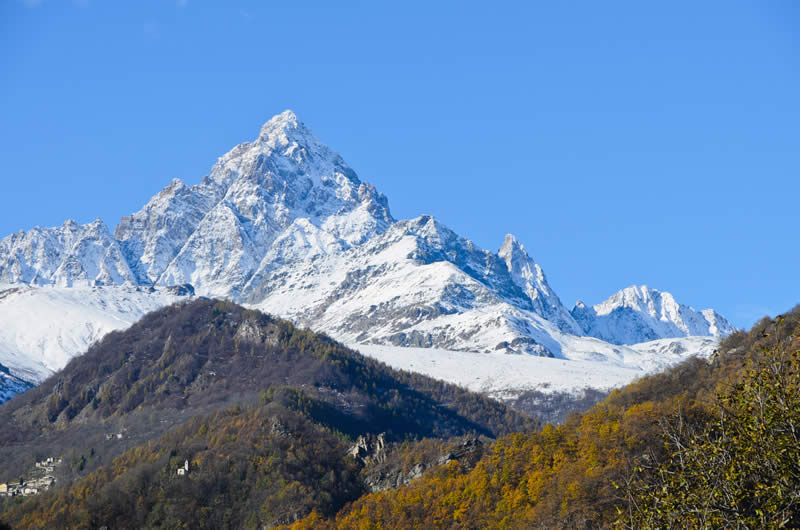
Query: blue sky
x=622 y=142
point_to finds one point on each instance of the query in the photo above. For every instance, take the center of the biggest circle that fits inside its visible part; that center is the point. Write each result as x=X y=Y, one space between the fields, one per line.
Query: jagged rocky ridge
x=283 y=224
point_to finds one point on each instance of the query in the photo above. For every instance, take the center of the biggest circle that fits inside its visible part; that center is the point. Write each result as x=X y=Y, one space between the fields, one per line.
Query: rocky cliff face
x=391 y=465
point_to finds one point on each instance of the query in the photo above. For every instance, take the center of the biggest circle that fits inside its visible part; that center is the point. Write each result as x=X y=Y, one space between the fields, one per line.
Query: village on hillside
x=41 y=478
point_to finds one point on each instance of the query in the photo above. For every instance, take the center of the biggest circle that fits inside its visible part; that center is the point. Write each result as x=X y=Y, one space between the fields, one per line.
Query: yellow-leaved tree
x=739 y=470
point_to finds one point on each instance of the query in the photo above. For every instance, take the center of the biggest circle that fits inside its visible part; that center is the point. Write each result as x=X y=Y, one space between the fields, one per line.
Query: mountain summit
x=219 y=234
x=529 y=276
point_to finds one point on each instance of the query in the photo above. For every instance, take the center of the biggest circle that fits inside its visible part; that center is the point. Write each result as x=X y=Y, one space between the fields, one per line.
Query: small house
x=185 y=469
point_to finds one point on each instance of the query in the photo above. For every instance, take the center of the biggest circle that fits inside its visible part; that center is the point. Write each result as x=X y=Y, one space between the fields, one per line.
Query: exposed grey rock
x=387 y=469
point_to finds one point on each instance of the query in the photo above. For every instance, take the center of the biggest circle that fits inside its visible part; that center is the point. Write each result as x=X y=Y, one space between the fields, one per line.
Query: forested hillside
x=175 y=370
x=703 y=444
x=255 y=466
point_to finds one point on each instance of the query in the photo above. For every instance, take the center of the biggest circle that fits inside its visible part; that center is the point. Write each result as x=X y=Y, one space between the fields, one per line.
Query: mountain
x=284 y=225
x=252 y=467
x=529 y=276
x=639 y=314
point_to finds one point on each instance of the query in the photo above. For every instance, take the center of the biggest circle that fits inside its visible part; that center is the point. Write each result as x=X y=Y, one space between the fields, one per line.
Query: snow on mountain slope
x=11 y=385
x=152 y=237
x=506 y=377
x=638 y=314
x=502 y=376
x=718 y=325
x=672 y=351
x=44 y=327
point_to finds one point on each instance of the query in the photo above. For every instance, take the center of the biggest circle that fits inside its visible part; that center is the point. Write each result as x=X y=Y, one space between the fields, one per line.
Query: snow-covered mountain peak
x=430 y=228
x=512 y=251
x=174 y=186
x=96 y=227
x=529 y=276
x=510 y=244
x=639 y=297
x=282 y=126
x=299 y=174
x=525 y=272
x=718 y=324
x=67 y=255
x=284 y=187
x=286 y=120
x=289 y=136
x=639 y=313
x=288 y=161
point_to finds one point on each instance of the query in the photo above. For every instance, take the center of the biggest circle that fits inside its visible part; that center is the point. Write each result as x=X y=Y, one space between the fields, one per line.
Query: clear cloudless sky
x=623 y=143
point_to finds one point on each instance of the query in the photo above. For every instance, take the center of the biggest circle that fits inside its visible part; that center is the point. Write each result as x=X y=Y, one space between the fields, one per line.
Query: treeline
x=705 y=444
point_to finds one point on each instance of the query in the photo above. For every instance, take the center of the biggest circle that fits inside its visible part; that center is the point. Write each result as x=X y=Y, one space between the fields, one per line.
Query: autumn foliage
x=616 y=464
